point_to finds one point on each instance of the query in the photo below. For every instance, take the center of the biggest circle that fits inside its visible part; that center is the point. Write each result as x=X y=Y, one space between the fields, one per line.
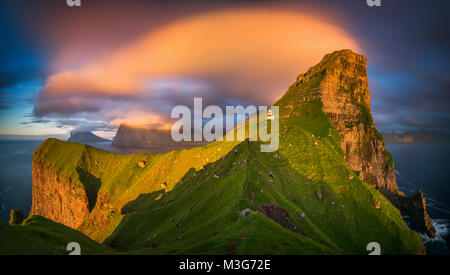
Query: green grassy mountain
x=309 y=197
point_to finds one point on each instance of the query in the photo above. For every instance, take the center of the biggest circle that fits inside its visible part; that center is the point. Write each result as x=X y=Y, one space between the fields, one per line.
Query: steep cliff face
x=340 y=83
x=85 y=188
x=338 y=86
x=55 y=198
x=16 y=217
x=64 y=189
x=414 y=207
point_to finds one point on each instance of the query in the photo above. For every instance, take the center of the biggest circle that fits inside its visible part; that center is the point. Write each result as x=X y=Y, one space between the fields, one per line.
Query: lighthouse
x=269 y=114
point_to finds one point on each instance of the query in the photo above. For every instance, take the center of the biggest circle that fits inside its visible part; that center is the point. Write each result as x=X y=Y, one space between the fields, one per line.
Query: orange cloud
x=251 y=54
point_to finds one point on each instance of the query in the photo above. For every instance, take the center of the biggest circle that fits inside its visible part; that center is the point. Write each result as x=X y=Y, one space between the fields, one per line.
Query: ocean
x=15 y=175
x=426 y=167
x=417 y=166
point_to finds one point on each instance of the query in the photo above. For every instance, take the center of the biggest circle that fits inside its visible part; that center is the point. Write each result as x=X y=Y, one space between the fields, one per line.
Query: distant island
x=85 y=137
x=129 y=136
x=418 y=136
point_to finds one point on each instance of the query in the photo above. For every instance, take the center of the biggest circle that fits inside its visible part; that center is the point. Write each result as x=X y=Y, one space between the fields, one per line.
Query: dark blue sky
x=406 y=43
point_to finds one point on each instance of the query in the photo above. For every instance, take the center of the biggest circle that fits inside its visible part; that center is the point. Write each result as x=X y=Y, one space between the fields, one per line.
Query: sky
x=110 y=61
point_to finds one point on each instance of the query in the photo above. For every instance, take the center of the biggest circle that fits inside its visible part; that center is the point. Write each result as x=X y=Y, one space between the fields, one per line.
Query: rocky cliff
x=343 y=91
x=16 y=217
x=56 y=198
x=64 y=186
x=339 y=86
x=85 y=188
x=414 y=207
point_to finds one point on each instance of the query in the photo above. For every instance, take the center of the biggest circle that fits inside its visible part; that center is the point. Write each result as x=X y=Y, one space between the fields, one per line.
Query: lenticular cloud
x=246 y=56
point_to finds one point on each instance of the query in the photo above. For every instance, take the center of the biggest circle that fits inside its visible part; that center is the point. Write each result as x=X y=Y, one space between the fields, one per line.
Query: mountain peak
x=345 y=56
x=345 y=53
x=338 y=87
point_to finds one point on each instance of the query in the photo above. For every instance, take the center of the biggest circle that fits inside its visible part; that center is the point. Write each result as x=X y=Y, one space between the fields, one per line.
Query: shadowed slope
x=38 y=235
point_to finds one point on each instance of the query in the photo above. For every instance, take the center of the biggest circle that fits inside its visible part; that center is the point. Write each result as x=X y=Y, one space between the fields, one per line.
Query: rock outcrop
x=56 y=198
x=415 y=208
x=344 y=93
x=16 y=217
x=278 y=215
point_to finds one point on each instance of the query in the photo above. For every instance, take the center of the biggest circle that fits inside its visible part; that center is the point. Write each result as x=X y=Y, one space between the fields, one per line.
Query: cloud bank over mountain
x=238 y=56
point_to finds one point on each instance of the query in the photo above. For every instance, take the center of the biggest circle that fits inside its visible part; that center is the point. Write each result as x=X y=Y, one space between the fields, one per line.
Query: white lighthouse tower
x=269 y=114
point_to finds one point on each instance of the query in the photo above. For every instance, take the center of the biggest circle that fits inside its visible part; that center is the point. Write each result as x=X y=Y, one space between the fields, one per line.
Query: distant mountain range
x=420 y=136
